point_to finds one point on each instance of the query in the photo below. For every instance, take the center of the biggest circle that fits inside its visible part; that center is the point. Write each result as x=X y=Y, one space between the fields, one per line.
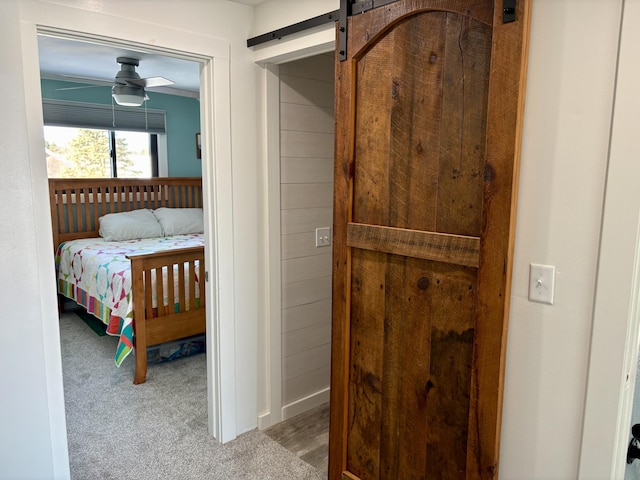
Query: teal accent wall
x=182 y=116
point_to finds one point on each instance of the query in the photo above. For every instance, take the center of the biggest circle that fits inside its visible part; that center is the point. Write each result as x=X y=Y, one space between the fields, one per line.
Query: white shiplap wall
x=306 y=173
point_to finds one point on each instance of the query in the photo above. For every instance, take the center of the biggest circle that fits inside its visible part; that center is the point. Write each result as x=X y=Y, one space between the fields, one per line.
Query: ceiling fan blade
x=78 y=78
x=77 y=88
x=151 y=82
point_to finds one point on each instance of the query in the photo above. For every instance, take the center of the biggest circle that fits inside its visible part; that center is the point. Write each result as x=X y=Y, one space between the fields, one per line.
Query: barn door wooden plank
x=428 y=117
x=415 y=243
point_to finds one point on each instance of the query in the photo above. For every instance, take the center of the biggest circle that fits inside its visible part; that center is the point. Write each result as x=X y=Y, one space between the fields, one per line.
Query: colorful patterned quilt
x=96 y=274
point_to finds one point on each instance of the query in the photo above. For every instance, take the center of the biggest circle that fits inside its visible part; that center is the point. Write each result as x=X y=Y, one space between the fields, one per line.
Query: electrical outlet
x=323 y=237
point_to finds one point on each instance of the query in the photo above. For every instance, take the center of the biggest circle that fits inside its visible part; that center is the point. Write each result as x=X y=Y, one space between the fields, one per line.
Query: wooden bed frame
x=76 y=205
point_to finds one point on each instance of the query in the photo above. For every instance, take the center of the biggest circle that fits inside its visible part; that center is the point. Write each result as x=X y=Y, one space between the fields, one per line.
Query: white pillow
x=180 y=221
x=131 y=225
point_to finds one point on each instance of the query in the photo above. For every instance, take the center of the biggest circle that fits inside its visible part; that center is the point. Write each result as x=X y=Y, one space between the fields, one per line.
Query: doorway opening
x=213 y=67
x=60 y=58
x=300 y=173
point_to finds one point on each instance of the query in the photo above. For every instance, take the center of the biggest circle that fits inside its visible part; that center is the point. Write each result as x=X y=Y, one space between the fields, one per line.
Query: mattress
x=96 y=274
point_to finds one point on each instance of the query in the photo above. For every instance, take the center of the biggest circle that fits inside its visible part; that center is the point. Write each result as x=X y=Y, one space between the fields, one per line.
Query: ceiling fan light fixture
x=128 y=96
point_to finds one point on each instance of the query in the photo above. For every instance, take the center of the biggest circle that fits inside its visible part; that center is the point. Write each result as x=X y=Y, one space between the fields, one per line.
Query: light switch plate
x=542 y=283
x=323 y=237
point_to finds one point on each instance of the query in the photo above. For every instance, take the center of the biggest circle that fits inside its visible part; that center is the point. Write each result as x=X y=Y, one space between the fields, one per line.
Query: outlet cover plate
x=323 y=237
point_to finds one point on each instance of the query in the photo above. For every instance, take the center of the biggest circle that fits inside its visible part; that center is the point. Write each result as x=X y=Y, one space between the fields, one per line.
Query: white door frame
x=272 y=384
x=269 y=57
x=614 y=341
x=213 y=55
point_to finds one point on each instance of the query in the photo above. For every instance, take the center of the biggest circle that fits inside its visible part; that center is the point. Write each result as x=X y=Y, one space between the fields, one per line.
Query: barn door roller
x=354 y=7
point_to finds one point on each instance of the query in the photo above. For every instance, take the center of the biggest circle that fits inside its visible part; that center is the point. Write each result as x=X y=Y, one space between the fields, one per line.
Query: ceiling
x=95 y=63
x=80 y=61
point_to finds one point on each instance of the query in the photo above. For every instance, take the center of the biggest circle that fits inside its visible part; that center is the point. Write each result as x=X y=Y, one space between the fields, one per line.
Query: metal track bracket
x=508 y=11
x=349 y=8
x=345 y=13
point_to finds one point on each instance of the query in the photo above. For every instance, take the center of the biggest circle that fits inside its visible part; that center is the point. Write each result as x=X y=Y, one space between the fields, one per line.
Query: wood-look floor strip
x=306 y=435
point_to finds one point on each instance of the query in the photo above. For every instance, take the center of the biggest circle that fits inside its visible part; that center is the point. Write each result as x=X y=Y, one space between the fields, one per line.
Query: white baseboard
x=304 y=404
x=264 y=420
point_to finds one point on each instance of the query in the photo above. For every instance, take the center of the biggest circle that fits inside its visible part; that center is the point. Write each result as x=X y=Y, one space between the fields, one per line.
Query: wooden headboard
x=76 y=204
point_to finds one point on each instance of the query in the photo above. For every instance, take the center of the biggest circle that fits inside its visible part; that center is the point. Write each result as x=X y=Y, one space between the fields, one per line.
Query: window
x=94 y=140
x=82 y=153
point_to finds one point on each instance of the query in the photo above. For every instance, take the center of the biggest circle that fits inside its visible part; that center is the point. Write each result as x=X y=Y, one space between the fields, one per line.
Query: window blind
x=64 y=113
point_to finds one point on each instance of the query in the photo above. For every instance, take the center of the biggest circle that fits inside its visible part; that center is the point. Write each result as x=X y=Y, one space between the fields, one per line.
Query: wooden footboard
x=184 y=318
x=76 y=206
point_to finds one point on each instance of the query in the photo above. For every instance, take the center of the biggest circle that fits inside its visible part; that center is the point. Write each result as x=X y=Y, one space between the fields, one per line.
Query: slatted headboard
x=76 y=204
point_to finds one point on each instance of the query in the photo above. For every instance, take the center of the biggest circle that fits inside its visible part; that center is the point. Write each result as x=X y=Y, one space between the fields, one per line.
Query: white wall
x=270 y=15
x=306 y=186
x=570 y=88
x=274 y=14
x=614 y=349
x=568 y=111
x=568 y=108
x=33 y=442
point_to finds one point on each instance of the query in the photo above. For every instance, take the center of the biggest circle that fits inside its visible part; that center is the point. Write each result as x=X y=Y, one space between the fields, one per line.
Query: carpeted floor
x=156 y=430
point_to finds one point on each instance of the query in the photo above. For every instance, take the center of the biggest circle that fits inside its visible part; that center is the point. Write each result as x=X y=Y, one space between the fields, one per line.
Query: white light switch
x=541 y=283
x=323 y=237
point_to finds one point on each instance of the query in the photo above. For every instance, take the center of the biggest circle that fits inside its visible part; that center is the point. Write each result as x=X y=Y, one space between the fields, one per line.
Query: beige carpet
x=157 y=430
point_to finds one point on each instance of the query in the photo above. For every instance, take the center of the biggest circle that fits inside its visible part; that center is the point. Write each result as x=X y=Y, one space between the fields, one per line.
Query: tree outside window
x=89 y=153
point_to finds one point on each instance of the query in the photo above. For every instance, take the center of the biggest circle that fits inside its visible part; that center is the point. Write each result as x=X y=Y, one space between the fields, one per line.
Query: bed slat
x=159 y=293
x=148 y=291
x=181 y=289
x=171 y=291
x=192 y=283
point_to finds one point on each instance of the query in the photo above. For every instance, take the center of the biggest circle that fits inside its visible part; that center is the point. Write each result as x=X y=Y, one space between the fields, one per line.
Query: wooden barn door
x=429 y=106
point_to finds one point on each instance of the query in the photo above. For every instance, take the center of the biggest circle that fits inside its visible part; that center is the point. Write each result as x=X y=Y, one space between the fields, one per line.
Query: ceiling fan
x=128 y=88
